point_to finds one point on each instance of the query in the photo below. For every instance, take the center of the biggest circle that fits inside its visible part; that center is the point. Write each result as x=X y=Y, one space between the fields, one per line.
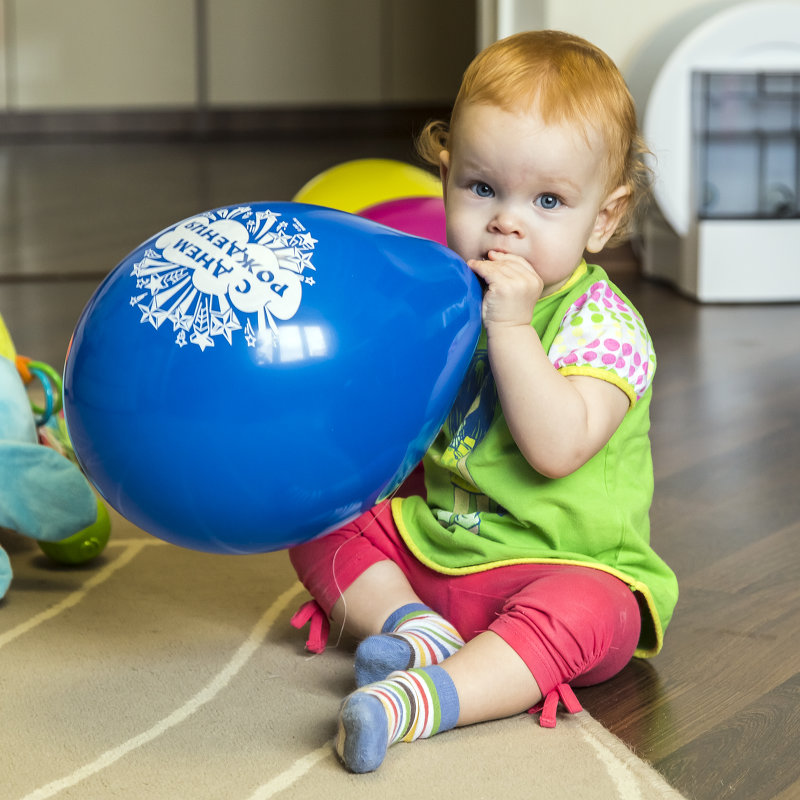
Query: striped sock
x=414 y=636
x=409 y=705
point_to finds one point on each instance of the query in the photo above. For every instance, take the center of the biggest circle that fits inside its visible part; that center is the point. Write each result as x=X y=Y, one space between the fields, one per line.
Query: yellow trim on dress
x=604 y=375
x=580 y=271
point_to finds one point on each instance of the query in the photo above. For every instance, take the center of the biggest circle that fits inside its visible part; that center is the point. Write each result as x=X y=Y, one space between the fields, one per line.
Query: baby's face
x=515 y=184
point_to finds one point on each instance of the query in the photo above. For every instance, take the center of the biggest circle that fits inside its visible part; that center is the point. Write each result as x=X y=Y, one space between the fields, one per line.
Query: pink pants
x=569 y=624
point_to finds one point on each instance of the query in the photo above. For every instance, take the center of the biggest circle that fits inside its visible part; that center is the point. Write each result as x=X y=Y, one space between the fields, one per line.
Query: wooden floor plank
x=729 y=761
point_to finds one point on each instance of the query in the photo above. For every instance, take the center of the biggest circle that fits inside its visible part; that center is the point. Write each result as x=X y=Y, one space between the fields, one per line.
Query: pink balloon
x=419 y=216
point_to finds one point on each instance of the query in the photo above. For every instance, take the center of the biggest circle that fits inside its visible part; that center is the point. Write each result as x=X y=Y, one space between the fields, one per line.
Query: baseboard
x=217 y=123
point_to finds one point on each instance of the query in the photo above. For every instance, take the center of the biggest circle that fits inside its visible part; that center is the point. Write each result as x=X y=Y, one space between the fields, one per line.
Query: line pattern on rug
x=208 y=693
x=132 y=548
x=290 y=776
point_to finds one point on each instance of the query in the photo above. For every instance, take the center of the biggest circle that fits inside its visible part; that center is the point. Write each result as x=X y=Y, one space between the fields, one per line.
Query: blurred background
x=120 y=117
x=211 y=55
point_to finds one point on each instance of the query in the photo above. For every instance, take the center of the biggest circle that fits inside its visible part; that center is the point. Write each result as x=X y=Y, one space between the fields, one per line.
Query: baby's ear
x=608 y=218
x=444 y=169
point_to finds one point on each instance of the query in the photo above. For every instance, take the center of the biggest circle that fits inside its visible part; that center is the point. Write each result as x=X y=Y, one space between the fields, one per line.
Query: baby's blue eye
x=482 y=189
x=549 y=202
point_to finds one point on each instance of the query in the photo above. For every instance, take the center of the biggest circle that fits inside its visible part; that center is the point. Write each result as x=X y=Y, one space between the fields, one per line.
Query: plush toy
x=43 y=495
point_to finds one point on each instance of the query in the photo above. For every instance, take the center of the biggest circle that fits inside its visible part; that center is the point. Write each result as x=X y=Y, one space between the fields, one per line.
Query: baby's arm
x=557 y=422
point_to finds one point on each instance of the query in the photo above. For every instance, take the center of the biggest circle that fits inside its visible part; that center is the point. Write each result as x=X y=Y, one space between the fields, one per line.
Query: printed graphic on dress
x=225 y=274
x=467 y=509
x=471 y=415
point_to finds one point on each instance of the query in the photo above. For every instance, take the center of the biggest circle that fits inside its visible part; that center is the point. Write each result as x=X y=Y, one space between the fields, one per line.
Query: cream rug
x=157 y=672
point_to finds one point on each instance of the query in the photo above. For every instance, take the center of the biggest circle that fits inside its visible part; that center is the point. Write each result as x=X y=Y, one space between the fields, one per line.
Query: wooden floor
x=718 y=711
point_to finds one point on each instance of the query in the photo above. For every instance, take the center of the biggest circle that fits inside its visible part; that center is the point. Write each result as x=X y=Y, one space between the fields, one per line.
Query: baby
x=526 y=567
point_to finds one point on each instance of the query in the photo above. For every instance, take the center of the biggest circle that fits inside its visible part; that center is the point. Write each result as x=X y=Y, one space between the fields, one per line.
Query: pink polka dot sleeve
x=603 y=337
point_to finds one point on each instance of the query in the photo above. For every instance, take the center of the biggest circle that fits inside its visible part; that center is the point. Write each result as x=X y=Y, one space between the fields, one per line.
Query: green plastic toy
x=84 y=545
x=43 y=493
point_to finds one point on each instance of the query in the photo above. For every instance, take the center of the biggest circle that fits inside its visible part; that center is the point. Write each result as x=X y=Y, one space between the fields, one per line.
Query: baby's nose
x=506 y=223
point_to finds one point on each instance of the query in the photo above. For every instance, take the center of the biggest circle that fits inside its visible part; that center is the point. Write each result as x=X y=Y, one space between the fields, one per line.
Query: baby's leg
x=334 y=564
x=413 y=636
x=568 y=624
x=491 y=680
x=362 y=578
x=372 y=598
x=573 y=625
x=484 y=680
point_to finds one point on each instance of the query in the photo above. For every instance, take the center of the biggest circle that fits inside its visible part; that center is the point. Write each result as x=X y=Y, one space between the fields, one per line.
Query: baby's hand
x=512 y=288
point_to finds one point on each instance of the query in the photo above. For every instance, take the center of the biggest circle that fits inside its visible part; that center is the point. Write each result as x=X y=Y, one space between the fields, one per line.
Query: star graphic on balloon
x=174 y=281
x=180 y=321
x=155 y=284
x=152 y=313
x=224 y=323
x=201 y=339
x=305 y=240
x=250 y=335
x=301 y=259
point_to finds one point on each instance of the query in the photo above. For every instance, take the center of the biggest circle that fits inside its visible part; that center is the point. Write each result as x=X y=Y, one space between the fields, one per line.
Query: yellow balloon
x=356 y=185
x=6 y=345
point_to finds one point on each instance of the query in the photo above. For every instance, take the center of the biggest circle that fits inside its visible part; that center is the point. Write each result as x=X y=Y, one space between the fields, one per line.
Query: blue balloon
x=255 y=376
